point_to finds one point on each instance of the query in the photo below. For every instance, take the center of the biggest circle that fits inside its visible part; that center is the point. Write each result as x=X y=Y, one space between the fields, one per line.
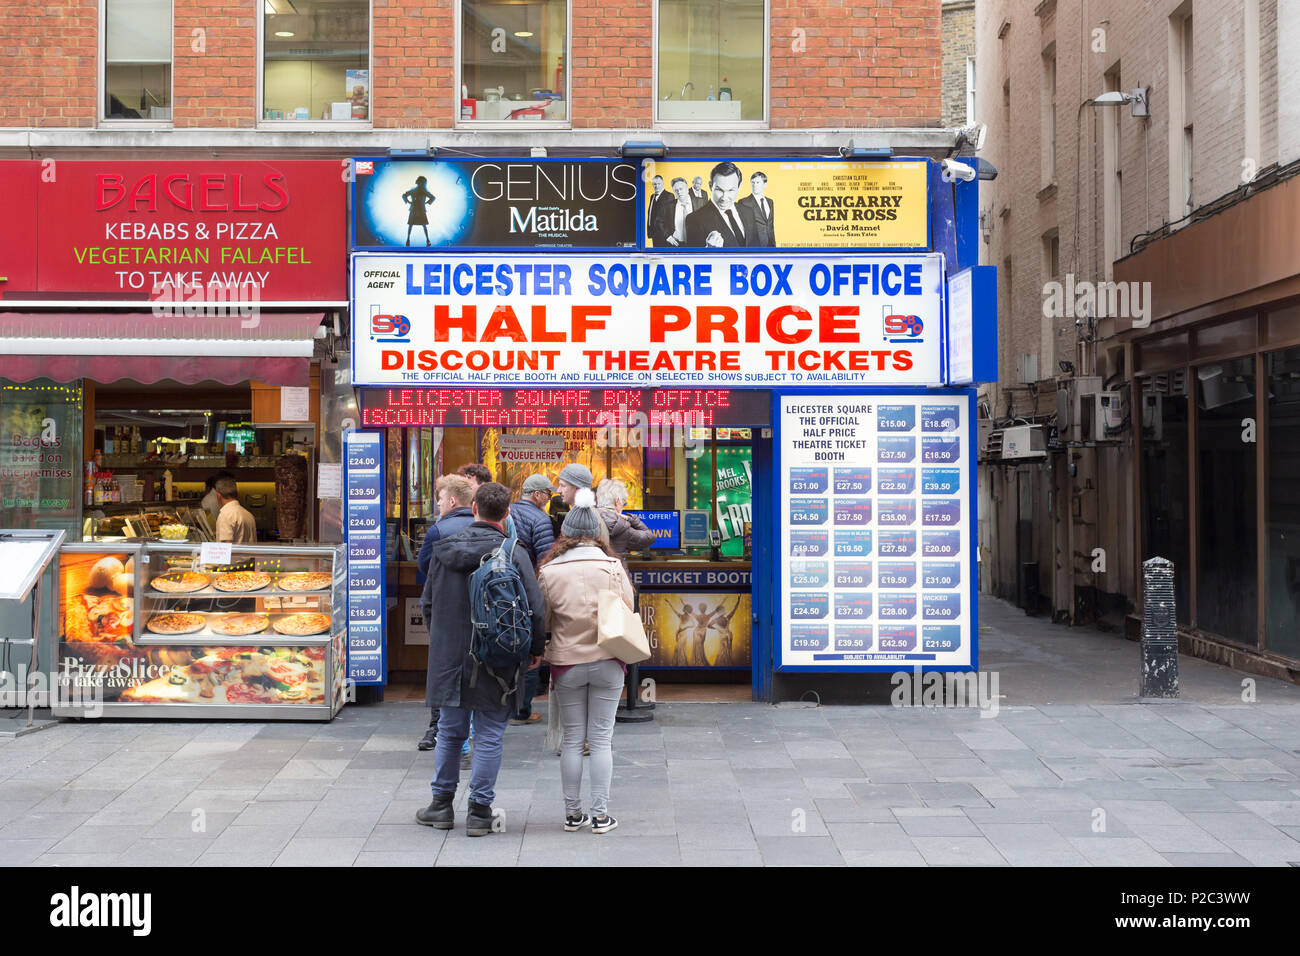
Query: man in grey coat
x=533 y=525
x=452 y=684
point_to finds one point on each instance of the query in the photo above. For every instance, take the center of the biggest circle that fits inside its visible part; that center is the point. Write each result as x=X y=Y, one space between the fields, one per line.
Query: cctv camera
x=953 y=170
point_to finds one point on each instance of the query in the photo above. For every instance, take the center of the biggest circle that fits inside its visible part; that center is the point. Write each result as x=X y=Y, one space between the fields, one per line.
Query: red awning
x=273 y=347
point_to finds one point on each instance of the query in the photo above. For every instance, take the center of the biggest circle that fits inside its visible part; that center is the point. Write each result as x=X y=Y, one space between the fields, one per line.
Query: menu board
x=364 y=480
x=877 y=562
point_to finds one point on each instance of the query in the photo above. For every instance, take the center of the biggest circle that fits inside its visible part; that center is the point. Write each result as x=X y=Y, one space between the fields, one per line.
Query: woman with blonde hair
x=588 y=681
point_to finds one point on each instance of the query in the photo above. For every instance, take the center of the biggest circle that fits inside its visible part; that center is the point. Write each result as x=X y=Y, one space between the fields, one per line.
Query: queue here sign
x=644 y=321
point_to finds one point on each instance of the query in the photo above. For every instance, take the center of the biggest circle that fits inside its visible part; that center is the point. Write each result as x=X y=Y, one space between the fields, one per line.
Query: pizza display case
x=149 y=629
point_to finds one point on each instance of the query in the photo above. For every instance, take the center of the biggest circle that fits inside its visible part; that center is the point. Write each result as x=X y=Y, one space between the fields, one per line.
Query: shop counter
x=151 y=630
x=697 y=614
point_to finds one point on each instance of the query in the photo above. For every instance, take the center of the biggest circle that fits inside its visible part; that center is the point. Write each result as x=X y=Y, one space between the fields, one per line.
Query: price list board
x=877 y=555
x=364 y=488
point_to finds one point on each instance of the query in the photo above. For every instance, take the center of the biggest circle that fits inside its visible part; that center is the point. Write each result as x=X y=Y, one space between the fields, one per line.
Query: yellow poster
x=695 y=629
x=786 y=203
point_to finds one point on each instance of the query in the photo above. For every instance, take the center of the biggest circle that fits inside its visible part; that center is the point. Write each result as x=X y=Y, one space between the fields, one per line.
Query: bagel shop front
x=794 y=423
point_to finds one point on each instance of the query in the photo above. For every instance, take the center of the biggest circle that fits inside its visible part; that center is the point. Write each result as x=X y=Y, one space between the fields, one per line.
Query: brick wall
x=215 y=64
x=958 y=44
x=612 y=63
x=850 y=63
x=834 y=63
x=47 y=59
x=412 y=76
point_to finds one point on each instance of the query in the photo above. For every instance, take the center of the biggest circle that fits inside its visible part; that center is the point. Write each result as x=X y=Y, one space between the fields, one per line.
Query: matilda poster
x=491 y=204
x=785 y=203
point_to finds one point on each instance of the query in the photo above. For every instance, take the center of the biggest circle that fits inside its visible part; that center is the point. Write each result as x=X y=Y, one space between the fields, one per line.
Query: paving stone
x=313 y=851
x=958 y=851
x=1177 y=839
x=802 y=850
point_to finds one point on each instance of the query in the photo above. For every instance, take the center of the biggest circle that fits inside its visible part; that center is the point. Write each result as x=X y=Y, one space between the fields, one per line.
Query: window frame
x=696 y=125
x=101 y=80
x=458 y=14
x=313 y=124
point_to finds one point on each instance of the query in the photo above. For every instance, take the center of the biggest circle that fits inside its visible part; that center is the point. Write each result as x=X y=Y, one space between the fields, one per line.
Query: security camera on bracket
x=953 y=171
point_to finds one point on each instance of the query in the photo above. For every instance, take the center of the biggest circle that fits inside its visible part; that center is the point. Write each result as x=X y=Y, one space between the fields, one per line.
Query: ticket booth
x=797 y=419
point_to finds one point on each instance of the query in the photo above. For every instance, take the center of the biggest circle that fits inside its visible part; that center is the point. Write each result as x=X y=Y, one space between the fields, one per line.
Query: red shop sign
x=176 y=231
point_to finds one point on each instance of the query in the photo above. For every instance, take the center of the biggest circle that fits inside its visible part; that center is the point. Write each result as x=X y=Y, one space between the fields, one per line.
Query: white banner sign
x=877 y=565
x=530 y=449
x=646 y=321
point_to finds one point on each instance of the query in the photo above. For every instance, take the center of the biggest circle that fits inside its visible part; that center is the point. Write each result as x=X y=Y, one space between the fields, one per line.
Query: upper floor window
x=316 y=60
x=137 y=57
x=513 y=60
x=711 y=61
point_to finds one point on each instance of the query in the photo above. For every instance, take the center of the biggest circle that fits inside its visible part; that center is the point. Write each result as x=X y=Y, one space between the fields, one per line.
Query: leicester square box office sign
x=175 y=231
x=466 y=204
x=567 y=319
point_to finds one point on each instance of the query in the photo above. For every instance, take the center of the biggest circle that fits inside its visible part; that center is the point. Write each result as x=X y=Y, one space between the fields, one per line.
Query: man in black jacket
x=452 y=684
x=720 y=223
x=760 y=211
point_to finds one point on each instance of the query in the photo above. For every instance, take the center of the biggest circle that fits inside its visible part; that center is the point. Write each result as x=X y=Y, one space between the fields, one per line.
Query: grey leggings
x=588 y=696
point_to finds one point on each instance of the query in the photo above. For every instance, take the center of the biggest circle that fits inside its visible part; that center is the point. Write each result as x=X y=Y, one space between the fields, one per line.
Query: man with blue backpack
x=486 y=627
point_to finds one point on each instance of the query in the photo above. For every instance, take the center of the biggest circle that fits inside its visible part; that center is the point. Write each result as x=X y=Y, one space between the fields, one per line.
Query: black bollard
x=1159 y=632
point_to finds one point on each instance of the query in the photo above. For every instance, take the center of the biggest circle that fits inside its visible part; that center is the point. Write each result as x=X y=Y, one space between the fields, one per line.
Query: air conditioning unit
x=1024 y=441
x=1102 y=415
x=1070 y=395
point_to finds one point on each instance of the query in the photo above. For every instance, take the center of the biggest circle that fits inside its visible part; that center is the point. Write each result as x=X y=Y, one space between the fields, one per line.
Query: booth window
x=513 y=60
x=137 y=56
x=711 y=61
x=316 y=60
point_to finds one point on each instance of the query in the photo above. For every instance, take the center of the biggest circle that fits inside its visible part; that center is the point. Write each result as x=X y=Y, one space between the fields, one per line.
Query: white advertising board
x=641 y=320
x=877 y=564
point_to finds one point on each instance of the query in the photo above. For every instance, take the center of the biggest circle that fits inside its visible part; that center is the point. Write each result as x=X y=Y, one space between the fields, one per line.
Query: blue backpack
x=501 y=617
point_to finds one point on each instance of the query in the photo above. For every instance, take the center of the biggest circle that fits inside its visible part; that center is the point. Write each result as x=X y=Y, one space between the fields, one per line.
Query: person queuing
x=452 y=686
x=536 y=534
x=588 y=681
x=455 y=515
x=626 y=532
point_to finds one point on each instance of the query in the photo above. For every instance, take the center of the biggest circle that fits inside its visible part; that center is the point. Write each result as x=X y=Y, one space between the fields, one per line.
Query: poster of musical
x=697 y=629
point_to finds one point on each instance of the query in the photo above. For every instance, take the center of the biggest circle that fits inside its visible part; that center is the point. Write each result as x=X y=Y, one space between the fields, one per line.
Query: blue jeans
x=530 y=691
x=453 y=730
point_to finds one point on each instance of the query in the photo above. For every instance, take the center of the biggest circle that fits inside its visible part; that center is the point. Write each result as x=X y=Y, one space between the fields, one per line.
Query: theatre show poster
x=492 y=204
x=697 y=629
x=785 y=203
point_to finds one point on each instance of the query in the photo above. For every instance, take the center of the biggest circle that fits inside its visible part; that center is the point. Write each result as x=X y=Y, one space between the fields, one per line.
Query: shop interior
x=700 y=632
x=151 y=450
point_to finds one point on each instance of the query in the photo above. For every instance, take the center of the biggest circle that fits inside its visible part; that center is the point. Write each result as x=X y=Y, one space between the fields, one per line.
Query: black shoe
x=439 y=813
x=576 y=821
x=479 y=820
x=429 y=741
x=603 y=824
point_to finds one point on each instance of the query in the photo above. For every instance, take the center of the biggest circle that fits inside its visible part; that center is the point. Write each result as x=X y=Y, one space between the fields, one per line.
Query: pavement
x=1069 y=769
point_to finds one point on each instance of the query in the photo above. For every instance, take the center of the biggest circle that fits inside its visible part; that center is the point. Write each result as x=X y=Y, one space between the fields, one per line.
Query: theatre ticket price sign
x=877 y=563
x=364 y=485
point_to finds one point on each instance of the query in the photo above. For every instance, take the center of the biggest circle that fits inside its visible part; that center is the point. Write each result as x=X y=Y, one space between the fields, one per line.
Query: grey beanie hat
x=582 y=520
x=577 y=475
